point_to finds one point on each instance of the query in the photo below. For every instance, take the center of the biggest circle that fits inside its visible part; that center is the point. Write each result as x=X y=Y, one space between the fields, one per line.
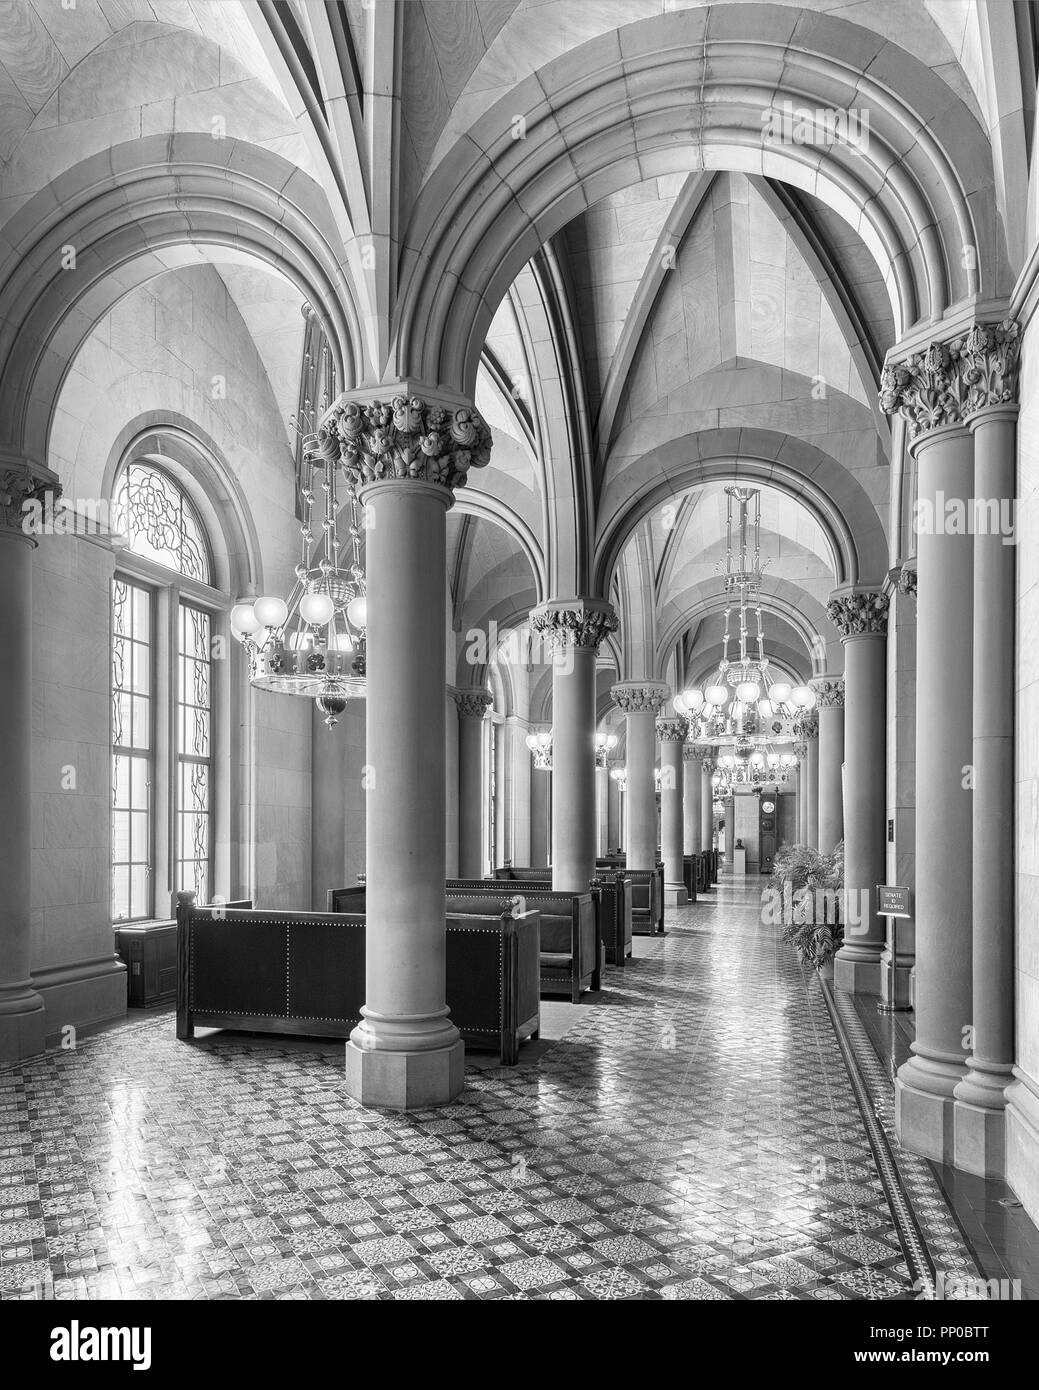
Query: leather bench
x=612 y=905
x=303 y=972
x=570 y=956
x=647 y=895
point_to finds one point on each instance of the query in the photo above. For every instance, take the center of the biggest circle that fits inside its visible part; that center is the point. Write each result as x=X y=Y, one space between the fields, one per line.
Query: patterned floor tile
x=696 y=1134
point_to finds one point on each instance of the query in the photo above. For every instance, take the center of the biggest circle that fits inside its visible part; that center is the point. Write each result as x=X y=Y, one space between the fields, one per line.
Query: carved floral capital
x=20 y=485
x=859 y=614
x=692 y=754
x=574 y=623
x=672 y=730
x=404 y=437
x=807 y=726
x=950 y=381
x=829 y=691
x=638 y=697
x=801 y=751
x=907 y=581
x=472 y=704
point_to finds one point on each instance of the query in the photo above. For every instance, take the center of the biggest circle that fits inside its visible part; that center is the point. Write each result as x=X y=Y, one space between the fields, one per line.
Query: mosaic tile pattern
x=694 y=1135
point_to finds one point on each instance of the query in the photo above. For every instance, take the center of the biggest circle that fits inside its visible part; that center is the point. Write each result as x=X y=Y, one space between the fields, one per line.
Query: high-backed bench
x=570 y=961
x=303 y=972
x=612 y=896
x=647 y=894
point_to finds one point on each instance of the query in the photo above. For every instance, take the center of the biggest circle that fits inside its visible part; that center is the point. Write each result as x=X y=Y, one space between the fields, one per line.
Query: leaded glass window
x=160 y=523
x=194 y=749
x=132 y=752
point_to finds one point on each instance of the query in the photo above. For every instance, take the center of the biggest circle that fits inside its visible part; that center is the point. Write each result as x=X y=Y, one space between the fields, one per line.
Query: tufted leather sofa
x=304 y=972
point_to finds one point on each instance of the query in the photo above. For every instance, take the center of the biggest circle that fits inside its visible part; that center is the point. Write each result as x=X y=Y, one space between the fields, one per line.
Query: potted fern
x=810 y=883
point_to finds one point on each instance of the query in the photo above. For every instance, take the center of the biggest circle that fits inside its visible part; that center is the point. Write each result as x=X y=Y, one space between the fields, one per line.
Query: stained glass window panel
x=159 y=521
x=132 y=831
x=194 y=750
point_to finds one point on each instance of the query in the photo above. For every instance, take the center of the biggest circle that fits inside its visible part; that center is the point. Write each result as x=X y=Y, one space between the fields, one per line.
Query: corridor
x=693 y=1134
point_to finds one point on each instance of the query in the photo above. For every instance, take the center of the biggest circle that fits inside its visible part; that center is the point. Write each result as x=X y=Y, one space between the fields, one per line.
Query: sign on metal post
x=893 y=902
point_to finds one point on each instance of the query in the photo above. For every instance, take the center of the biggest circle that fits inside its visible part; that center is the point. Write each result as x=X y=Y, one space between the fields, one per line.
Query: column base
x=1022 y=1143
x=675 y=895
x=857 y=971
x=405 y=1080
x=23 y=1024
x=895 y=986
x=925 y=1107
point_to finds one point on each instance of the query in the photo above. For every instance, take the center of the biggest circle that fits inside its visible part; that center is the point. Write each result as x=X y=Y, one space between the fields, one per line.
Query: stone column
x=929 y=389
x=860 y=617
x=602 y=810
x=518 y=801
x=540 y=816
x=501 y=849
x=615 y=836
x=899 y=956
x=671 y=733
x=472 y=706
x=692 y=812
x=829 y=693
x=573 y=630
x=801 y=753
x=807 y=730
x=730 y=828
x=980 y=1129
x=22 y=1014
x=405 y=458
x=706 y=804
x=641 y=702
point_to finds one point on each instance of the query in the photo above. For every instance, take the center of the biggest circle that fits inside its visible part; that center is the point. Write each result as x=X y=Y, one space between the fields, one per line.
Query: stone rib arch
x=839 y=503
x=181 y=203
x=613 y=109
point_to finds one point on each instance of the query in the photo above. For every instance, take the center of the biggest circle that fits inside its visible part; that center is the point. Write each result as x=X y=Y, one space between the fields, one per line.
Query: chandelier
x=620 y=776
x=313 y=642
x=742 y=704
x=604 y=746
x=540 y=744
x=751 y=764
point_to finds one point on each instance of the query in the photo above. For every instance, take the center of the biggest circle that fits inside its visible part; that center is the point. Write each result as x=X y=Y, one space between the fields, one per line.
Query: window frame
x=170 y=588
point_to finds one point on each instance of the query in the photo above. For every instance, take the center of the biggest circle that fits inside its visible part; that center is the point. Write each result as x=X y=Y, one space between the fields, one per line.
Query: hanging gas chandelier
x=751 y=764
x=742 y=704
x=313 y=642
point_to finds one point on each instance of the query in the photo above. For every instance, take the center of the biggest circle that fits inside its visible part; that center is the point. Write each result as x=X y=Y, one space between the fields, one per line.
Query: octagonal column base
x=405 y=1080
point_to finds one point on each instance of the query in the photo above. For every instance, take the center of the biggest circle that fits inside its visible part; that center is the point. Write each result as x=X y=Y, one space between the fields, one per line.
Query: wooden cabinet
x=149 y=951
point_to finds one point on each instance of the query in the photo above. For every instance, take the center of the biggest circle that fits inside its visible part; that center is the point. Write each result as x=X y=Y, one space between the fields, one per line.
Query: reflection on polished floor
x=694 y=1134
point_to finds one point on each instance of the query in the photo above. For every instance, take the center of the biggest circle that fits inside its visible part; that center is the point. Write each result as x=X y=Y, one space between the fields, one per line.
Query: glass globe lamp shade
x=801 y=696
x=340 y=642
x=717 y=695
x=727 y=760
x=357 y=612
x=780 y=692
x=693 y=700
x=765 y=709
x=748 y=691
x=244 y=619
x=271 y=612
x=316 y=609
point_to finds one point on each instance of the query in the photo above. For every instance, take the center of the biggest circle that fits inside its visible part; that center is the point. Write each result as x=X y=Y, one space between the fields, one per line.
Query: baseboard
x=1022 y=1141
x=81 y=996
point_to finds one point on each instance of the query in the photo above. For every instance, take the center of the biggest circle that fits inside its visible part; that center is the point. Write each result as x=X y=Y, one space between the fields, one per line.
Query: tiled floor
x=693 y=1134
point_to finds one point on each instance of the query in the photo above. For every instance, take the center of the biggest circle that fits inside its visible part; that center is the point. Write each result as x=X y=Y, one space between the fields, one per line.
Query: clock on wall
x=768 y=807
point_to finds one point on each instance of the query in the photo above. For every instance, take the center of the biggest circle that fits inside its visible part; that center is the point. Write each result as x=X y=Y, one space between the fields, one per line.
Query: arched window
x=160 y=521
x=164 y=608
